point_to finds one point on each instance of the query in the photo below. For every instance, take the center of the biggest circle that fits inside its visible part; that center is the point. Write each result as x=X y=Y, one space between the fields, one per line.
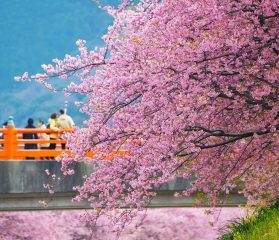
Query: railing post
x=9 y=144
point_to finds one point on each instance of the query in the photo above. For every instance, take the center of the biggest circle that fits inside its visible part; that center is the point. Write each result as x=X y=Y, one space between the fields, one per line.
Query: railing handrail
x=39 y=141
x=39 y=130
x=36 y=130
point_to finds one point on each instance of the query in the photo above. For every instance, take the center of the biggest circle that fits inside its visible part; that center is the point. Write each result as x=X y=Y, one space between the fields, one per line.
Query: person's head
x=41 y=123
x=61 y=111
x=53 y=116
x=5 y=124
x=30 y=121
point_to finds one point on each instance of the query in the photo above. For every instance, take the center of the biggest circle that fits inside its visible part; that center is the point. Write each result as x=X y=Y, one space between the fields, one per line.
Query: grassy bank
x=263 y=225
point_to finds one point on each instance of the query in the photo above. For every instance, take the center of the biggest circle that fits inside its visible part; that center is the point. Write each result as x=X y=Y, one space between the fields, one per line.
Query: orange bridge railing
x=12 y=144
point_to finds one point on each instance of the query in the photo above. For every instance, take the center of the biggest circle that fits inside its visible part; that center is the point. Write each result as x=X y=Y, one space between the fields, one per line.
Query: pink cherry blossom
x=191 y=89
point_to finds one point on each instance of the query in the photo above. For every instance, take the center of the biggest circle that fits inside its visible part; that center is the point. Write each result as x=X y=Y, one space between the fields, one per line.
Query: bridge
x=21 y=181
x=12 y=143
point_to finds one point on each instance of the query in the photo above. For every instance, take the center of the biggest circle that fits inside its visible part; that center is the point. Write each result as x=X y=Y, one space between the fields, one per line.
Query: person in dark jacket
x=2 y=134
x=30 y=124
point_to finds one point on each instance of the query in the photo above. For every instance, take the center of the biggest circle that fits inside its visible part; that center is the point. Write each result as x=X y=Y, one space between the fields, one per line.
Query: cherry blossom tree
x=191 y=88
x=45 y=225
x=166 y=223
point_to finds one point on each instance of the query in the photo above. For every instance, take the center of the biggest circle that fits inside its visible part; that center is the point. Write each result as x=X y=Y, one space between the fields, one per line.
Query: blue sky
x=33 y=32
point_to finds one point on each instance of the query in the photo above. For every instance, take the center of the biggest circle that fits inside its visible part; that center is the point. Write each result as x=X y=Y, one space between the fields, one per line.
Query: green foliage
x=264 y=224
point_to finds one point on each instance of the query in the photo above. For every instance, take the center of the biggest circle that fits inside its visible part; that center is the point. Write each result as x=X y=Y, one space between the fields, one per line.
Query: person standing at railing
x=53 y=125
x=30 y=124
x=65 y=122
x=2 y=134
x=43 y=136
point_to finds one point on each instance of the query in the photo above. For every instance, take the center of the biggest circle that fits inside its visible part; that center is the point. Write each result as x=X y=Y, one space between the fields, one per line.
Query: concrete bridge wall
x=21 y=187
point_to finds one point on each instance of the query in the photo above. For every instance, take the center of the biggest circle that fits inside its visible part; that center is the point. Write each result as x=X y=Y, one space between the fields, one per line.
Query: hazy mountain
x=33 y=32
